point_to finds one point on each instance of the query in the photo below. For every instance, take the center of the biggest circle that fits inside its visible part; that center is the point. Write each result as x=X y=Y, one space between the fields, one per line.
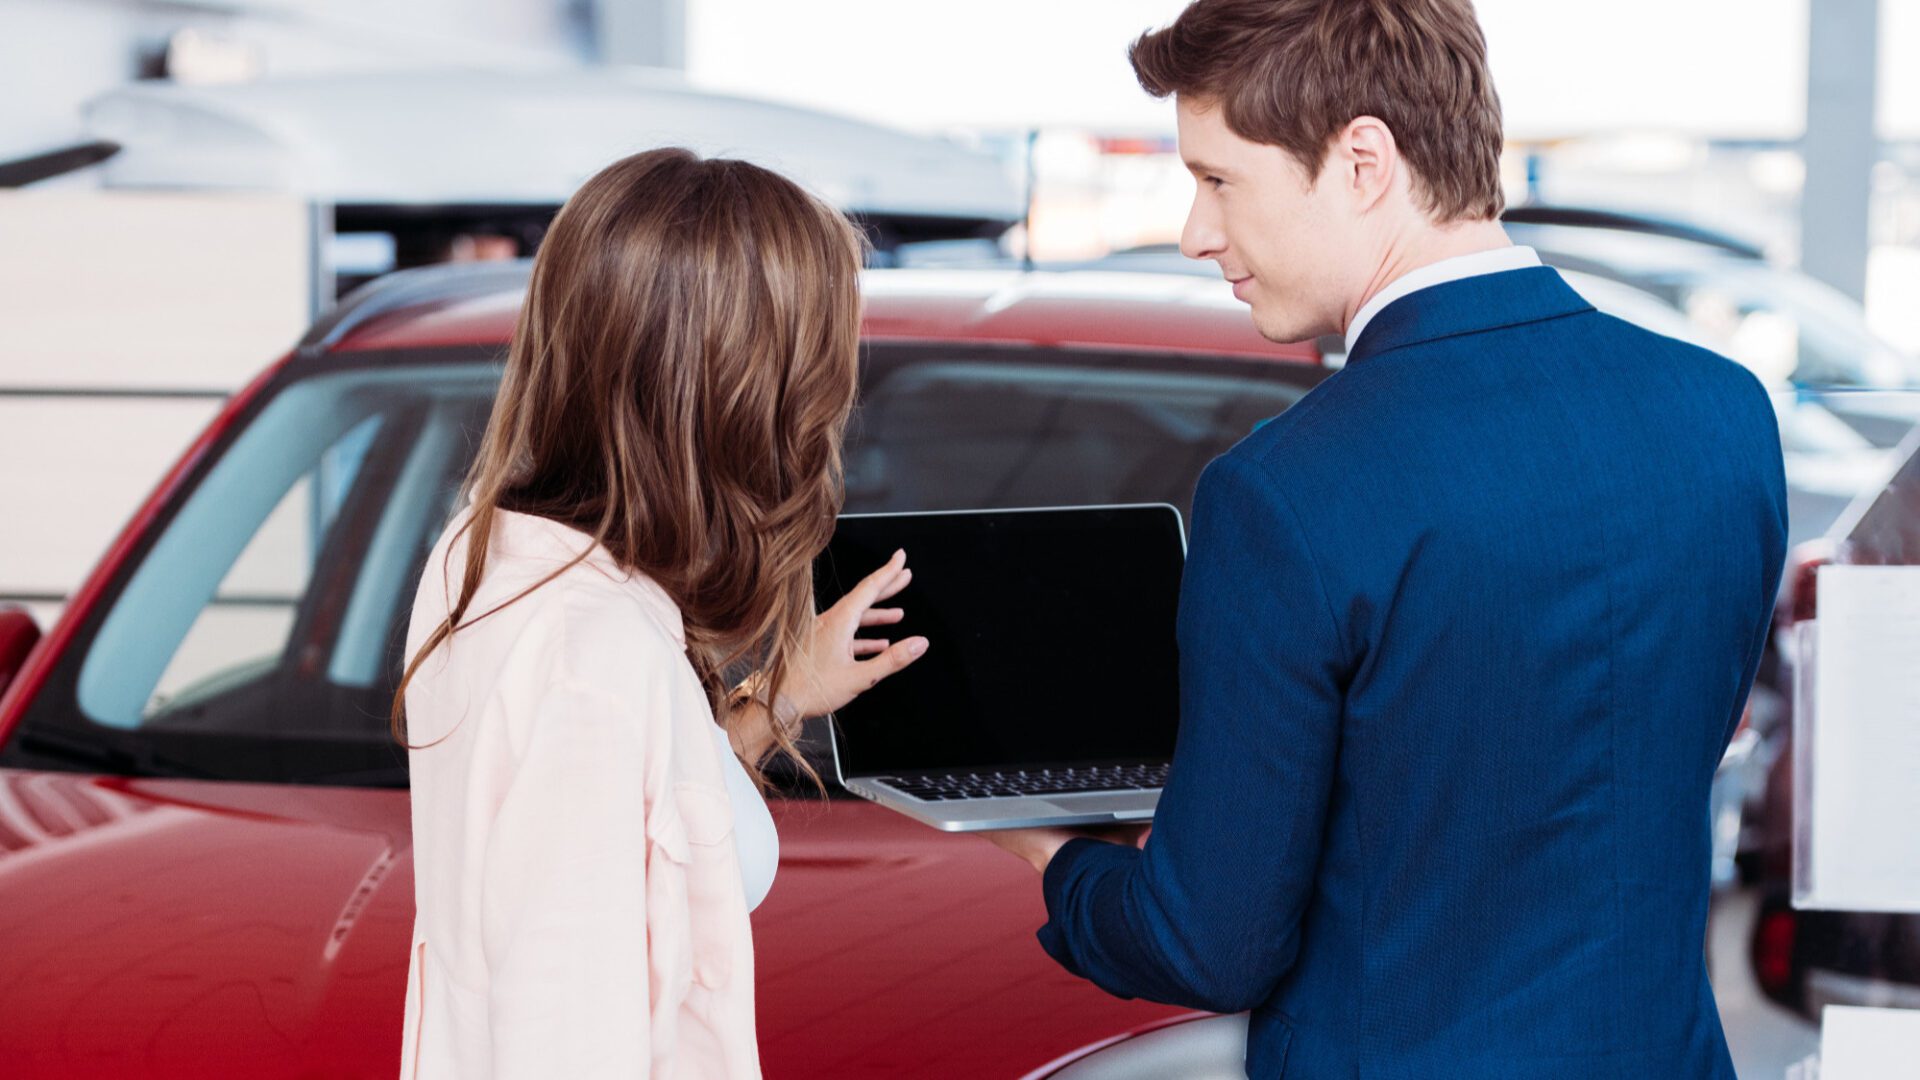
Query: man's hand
x=1038 y=845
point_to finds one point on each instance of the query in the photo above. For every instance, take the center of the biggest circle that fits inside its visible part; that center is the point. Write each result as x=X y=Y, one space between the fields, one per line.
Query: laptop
x=1049 y=691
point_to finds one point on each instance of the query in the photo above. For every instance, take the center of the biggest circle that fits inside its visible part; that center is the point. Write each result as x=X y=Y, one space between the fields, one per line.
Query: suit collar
x=1468 y=305
x=1491 y=261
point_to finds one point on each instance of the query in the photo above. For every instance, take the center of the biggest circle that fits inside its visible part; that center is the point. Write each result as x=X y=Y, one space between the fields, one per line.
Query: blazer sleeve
x=563 y=901
x=1771 y=535
x=1207 y=915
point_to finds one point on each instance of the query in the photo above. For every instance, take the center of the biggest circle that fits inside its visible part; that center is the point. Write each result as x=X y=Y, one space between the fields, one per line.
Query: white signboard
x=1868 y=1044
x=1857 y=743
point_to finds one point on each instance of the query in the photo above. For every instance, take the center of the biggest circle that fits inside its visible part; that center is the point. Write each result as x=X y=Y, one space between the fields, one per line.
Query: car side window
x=244 y=626
x=271 y=605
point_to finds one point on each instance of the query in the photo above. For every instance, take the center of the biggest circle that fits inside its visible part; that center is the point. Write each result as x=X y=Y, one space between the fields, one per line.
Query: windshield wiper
x=387 y=776
x=106 y=757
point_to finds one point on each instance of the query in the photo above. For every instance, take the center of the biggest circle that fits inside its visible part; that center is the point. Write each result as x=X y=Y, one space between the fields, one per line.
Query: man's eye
x=1215 y=182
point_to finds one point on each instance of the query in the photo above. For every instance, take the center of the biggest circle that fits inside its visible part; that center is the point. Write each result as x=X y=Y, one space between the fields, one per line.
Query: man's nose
x=1201 y=238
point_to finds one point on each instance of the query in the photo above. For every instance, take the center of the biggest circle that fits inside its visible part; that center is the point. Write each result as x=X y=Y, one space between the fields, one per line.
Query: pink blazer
x=579 y=903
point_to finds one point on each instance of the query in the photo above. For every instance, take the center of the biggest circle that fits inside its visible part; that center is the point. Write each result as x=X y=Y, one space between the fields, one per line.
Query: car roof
x=1595 y=220
x=1630 y=254
x=477 y=305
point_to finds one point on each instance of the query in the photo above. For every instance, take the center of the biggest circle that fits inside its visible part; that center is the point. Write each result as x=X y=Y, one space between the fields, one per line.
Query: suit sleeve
x=1770 y=532
x=1207 y=915
x=563 y=901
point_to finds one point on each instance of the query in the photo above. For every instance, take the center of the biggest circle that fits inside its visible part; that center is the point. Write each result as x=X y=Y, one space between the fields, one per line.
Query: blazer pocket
x=693 y=830
x=716 y=906
x=669 y=946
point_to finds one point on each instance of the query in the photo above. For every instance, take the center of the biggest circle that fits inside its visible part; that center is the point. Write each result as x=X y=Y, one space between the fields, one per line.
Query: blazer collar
x=529 y=536
x=1468 y=305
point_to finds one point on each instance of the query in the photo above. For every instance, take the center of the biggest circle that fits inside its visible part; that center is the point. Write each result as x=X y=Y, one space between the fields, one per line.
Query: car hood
x=188 y=928
x=890 y=949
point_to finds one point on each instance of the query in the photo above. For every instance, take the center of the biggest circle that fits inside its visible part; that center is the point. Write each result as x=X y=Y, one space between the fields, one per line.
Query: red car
x=204 y=855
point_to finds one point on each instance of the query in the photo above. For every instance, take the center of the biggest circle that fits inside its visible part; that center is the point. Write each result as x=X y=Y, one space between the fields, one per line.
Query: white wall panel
x=72 y=472
x=130 y=290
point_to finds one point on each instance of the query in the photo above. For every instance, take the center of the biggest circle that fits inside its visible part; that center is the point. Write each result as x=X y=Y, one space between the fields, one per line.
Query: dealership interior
x=262 y=263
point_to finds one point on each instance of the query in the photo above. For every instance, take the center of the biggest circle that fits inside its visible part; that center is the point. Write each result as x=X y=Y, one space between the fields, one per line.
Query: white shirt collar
x=1460 y=266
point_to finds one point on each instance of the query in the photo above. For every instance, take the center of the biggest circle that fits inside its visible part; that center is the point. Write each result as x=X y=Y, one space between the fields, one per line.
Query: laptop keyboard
x=1017 y=782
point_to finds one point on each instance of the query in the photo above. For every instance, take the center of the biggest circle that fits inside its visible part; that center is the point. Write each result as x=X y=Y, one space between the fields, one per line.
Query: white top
x=754 y=836
x=1460 y=266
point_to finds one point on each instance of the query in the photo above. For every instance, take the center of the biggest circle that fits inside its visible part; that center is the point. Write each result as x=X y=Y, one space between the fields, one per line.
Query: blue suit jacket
x=1463 y=635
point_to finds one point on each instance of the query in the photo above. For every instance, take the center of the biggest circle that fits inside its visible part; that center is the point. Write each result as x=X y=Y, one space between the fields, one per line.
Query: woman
x=661 y=468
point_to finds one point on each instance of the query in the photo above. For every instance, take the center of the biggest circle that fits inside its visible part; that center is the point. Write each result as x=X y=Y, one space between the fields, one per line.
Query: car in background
x=205 y=862
x=1808 y=959
x=1790 y=328
x=1727 y=295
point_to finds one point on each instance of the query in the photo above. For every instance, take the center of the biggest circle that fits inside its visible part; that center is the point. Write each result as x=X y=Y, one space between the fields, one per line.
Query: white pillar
x=1842 y=143
x=650 y=33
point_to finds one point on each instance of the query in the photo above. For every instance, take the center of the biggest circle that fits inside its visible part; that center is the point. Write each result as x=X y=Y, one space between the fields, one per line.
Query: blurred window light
x=363 y=253
x=1777 y=172
x=1893 y=280
x=1768 y=344
x=200 y=57
x=1135 y=144
x=1632 y=153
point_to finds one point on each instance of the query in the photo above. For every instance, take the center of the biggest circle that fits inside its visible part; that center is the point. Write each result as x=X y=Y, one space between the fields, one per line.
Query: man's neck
x=1407 y=253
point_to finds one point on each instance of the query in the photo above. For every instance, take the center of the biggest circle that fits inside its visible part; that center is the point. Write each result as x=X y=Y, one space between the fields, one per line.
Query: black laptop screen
x=1051 y=638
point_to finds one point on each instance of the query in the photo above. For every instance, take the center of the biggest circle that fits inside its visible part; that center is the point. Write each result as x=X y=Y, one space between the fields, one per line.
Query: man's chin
x=1278 y=329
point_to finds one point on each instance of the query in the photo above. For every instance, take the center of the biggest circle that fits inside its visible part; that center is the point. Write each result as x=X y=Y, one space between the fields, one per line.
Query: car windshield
x=259 y=634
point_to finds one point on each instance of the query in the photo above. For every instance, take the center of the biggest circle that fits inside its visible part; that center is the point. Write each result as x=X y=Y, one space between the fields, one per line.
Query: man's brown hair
x=1293 y=73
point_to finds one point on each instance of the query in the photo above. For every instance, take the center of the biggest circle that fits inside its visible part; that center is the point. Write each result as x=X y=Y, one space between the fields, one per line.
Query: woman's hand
x=830 y=671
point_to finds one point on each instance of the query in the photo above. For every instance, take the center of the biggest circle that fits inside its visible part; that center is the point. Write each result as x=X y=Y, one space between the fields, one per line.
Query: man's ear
x=1371 y=160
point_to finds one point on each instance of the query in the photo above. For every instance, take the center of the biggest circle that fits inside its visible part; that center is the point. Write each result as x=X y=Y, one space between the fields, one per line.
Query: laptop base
x=1015 y=811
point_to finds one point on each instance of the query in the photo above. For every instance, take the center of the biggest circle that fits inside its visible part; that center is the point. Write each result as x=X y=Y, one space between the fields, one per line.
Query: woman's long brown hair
x=677 y=387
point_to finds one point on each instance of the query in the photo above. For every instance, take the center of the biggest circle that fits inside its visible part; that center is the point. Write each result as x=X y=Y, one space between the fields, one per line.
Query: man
x=1463 y=633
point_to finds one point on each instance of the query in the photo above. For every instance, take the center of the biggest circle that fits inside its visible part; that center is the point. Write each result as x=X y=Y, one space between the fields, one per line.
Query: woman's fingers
x=881 y=659
x=892 y=659
x=899 y=581
x=872 y=588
